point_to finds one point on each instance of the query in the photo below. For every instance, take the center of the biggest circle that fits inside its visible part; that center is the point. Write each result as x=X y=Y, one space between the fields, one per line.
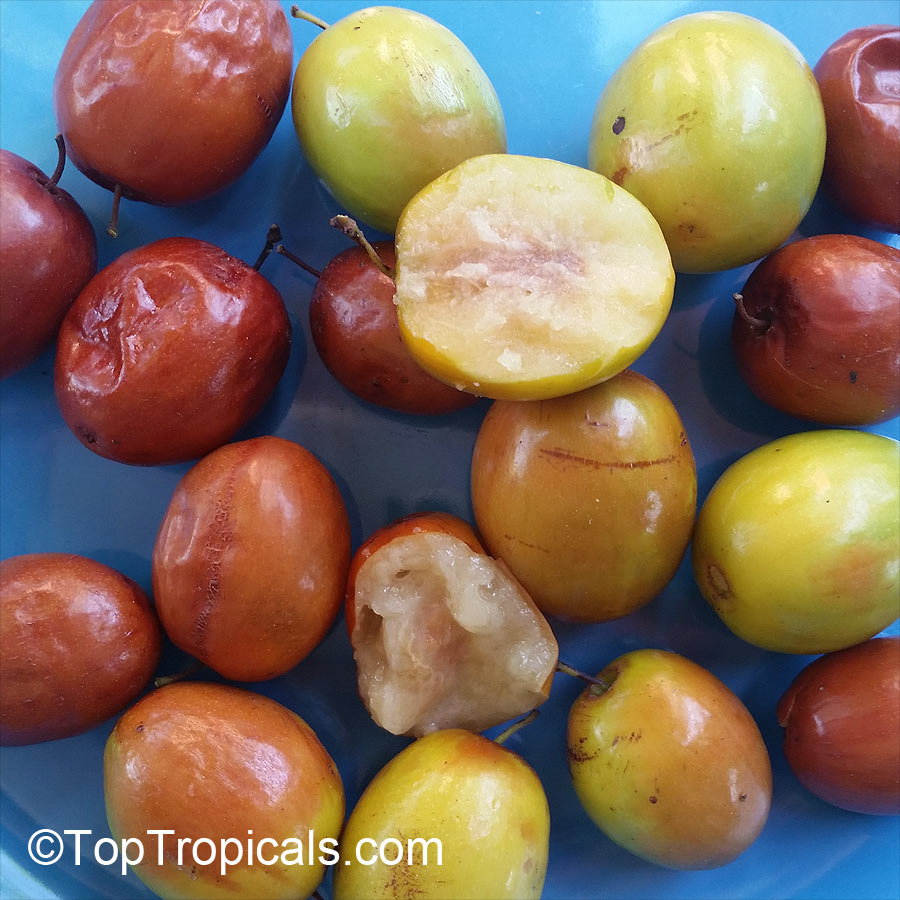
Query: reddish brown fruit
x=172 y=100
x=355 y=329
x=80 y=642
x=168 y=351
x=817 y=330
x=251 y=558
x=48 y=252
x=859 y=79
x=841 y=717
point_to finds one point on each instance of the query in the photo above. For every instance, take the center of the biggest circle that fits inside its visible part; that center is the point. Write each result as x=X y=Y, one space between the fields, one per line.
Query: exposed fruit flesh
x=527 y=278
x=445 y=637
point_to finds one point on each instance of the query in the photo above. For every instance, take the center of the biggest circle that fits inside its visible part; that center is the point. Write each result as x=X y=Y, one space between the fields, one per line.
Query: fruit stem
x=354 y=232
x=757 y=324
x=61 y=160
x=113 y=228
x=163 y=680
x=510 y=730
x=273 y=236
x=298 y=13
x=297 y=261
x=575 y=673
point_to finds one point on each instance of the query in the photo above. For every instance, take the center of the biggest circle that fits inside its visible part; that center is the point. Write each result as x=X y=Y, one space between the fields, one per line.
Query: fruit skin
x=80 y=642
x=213 y=761
x=485 y=805
x=354 y=326
x=251 y=558
x=831 y=350
x=668 y=762
x=859 y=79
x=48 y=252
x=590 y=498
x=841 y=716
x=172 y=99
x=796 y=546
x=715 y=123
x=384 y=101
x=503 y=251
x=168 y=351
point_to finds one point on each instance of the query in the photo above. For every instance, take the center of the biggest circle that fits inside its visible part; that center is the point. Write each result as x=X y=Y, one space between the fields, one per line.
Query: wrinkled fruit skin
x=589 y=498
x=384 y=101
x=168 y=351
x=354 y=326
x=841 y=716
x=859 y=79
x=251 y=558
x=80 y=642
x=797 y=546
x=212 y=761
x=669 y=763
x=831 y=350
x=172 y=99
x=679 y=126
x=485 y=805
x=48 y=253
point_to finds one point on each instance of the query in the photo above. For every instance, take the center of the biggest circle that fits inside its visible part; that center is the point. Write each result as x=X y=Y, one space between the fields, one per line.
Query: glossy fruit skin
x=831 y=351
x=415 y=523
x=214 y=761
x=841 y=716
x=796 y=546
x=251 y=558
x=168 y=351
x=80 y=642
x=354 y=326
x=48 y=253
x=384 y=101
x=172 y=99
x=485 y=805
x=859 y=79
x=669 y=763
x=679 y=126
x=589 y=498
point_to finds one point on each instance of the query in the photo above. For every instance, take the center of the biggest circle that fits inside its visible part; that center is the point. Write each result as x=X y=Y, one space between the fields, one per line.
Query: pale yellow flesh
x=527 y=278
x=446 y=638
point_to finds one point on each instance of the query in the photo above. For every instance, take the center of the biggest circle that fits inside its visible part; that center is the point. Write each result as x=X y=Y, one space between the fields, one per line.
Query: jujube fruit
x=668 y=762
x=214 y=762
x=817 y=330
x=172 y=100
x=168 y=351
x=48 y=253
x=841 y=720
x=80 y=642
x=251 y=558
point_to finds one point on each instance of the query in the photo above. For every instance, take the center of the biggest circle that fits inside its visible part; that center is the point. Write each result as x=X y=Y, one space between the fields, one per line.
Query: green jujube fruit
x=716 y=125
x=384 y=101
x=797 y=546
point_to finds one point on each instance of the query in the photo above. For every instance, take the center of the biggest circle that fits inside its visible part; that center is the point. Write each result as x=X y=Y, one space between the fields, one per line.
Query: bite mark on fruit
x=567 y=456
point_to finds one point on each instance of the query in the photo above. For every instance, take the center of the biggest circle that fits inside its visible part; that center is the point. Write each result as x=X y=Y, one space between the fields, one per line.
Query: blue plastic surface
x=548 y=62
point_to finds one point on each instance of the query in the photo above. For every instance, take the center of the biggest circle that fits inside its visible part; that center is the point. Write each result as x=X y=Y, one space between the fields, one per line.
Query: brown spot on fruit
x=652 y=799
x=718 y=585
x=852 y=377
x=619 y=175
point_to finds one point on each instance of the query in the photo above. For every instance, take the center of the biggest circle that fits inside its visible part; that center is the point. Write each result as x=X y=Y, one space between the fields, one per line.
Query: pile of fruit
x=470 y=496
